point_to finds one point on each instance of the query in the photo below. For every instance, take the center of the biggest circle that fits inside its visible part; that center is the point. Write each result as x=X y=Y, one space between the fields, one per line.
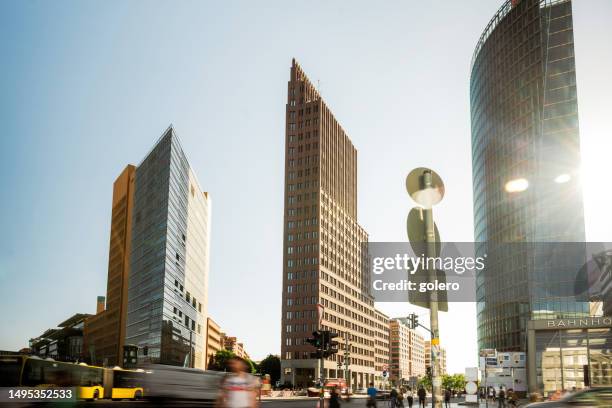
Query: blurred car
x=171 y=383
x=594 y=397
x=361 y=391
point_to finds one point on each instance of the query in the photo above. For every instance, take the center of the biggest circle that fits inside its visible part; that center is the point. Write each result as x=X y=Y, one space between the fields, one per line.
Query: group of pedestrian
x=400 y=397
x=502 y=396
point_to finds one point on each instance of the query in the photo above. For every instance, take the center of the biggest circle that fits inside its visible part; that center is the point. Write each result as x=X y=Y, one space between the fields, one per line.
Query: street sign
x=415 y=225
x=425 y=196
x=435 y=342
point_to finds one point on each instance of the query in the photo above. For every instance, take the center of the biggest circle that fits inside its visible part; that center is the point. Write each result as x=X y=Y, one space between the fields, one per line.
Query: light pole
x=426 y=188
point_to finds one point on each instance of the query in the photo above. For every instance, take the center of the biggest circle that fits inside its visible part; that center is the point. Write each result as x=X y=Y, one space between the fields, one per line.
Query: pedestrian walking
x=393 y=398
x=238 y=389
x=334 y=398
x=512 y=397
x=371 y=402
x=447 y=398
x=421 y=393
x=400 y=397
x=501 y=398
x=409 y=397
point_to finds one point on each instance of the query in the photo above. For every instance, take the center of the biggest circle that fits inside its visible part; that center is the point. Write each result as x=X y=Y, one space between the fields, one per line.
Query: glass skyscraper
x=168 y=280
x=525 y=164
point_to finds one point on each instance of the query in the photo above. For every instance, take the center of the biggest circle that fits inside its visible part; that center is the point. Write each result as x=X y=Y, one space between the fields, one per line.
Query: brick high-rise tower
x=323 y=262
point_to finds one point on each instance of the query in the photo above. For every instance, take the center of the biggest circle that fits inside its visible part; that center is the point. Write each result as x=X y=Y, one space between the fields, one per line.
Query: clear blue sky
x=87 y=87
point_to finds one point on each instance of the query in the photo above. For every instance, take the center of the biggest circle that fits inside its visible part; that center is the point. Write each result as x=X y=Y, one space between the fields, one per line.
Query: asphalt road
x=266 y=403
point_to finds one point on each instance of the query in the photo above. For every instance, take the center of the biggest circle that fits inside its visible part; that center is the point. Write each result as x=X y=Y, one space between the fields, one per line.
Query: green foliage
x=455 y=382
x=250 y=366
x=221 y=359
x=271 y=365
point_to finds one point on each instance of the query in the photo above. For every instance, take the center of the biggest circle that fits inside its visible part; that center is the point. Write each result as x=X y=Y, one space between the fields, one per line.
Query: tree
x=447 y=382
x=459 y=382
x=455 y=382
x=250 y=366
x=221 y=359
x=271 y=365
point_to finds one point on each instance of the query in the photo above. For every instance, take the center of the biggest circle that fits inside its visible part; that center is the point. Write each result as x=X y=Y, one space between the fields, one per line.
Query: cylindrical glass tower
x=525 y=163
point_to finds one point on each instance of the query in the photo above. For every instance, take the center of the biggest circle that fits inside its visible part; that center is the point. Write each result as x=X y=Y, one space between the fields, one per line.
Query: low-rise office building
x=64 y=343
x=569 y=353
x=214 y=341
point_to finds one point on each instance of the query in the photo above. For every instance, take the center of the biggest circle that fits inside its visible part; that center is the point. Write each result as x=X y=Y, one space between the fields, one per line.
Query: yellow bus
x=91 y=382
x=126 y=384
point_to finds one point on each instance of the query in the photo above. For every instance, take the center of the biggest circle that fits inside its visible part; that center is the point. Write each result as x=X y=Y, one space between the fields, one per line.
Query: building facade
x=525 y=163
x=64 y=343
x=407 y=352
x=232 y=344
x=323 y=263
x=382 y=361
x=214 y=340
x=104 y=333
x=169 y=259
x=569 y=353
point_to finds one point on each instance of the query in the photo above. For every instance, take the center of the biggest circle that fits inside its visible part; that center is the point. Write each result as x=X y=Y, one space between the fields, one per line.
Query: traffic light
x=330 y=346
x=317 y=342
x=413 y=321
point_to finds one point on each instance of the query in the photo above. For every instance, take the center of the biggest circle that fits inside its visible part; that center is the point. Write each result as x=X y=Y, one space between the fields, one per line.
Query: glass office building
x=525 y=163
x=570 y=353
x=168 y=280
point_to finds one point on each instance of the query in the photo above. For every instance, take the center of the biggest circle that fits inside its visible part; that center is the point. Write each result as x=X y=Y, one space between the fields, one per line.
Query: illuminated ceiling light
x=517 y=185
x=562 y=178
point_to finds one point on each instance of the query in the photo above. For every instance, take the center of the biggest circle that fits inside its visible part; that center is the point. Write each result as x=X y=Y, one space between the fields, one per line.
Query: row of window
x=292 y=175
x=301 y=124
x=292 y=263
x=303 y=136
x=305 y=185
x=302 y=235
x=302 y=288
x=300 y=223
x=302 y=275
x=302 y=248
x=298 y=198
x=297 y=211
